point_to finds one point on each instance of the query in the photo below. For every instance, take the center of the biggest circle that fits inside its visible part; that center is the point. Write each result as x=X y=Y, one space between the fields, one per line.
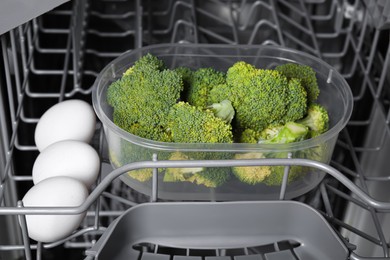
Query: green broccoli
x=263 y=101
x=201 y=82
x=205 y=105
x=276 y=177
x=221 y=92
x=190 y=124
x=276 y=134
x=180 y=174
x=251 y=175
x=261 y=97
x=124 y=152
x=289 y=133
x=146 y=64
x=270 y=175
x=296 y=101
x=317 y=119
x=305 y=74
x=141 y=100
x=143 y=97
x=241 y=74
x=209 y=177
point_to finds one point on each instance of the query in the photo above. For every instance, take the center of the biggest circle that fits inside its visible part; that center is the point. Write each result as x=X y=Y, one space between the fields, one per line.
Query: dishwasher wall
x=58 y=55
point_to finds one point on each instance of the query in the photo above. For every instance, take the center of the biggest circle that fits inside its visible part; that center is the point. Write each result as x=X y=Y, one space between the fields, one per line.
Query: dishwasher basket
x=59 y=54
x=246 y=230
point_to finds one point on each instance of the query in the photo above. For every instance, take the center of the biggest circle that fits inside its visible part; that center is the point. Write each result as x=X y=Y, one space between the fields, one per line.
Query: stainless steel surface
x=58 y=55
x=14 y=13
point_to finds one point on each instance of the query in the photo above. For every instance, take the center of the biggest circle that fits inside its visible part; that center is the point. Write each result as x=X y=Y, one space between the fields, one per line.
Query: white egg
x=68 y=120
x=54 y=192
x=67 y=158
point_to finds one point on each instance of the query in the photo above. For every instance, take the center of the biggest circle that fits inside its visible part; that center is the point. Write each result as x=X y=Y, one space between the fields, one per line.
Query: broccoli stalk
x=223 y=110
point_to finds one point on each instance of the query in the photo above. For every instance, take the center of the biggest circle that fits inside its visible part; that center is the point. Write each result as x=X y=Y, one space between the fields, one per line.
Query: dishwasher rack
x=58 y=55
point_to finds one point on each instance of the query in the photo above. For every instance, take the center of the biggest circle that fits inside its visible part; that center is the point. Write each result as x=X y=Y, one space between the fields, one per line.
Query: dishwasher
x=53 y=51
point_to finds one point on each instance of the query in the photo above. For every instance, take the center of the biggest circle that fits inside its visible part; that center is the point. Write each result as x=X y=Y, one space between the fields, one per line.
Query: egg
x=67 y=158
x=67 y=120
x=54 y=192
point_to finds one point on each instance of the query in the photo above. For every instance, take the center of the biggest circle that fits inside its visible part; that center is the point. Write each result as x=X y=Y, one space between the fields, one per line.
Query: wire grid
x=59 y=54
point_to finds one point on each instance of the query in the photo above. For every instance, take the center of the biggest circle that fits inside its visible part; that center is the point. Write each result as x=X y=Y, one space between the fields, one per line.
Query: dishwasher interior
x=58 y=55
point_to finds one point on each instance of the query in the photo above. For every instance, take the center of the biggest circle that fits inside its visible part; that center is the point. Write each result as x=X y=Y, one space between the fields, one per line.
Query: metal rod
x=23 y=226
x=283 y=187
x=384 y=206
x=154 y=181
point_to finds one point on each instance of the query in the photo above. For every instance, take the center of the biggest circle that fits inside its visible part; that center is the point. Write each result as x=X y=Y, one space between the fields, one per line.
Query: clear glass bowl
x=123 y=147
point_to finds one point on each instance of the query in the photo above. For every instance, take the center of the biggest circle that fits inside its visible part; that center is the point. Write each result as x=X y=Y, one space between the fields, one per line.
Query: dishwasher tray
x=271 y=230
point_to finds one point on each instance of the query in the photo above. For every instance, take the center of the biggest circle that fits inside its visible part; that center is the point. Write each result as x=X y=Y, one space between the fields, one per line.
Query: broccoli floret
x=259 y=96
x=276 y=134
x=221 y=92
x=289 y=133
x=263 y=101
x=251 y=175
x=276 y=177
x=180 y=174
x=248 y=136
x=296 y=101
x=190 y=124
x=305 y=74
x=144 y=96
x=270 y=175
x=317 y=119
x=146 y=64
x=240 y=74
x=200 y=84
x=125 y=152
x=209 y=177
x=223 y=110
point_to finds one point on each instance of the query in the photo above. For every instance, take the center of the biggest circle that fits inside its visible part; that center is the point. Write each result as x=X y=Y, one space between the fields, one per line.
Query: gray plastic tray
x=271 y=230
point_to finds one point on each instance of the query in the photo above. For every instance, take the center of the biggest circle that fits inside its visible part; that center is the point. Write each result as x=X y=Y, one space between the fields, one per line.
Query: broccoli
x=180 y=174
x=221 y=92
x=260 y=97
x=211 y=177
x=125 y=152
x=276 y=177
x=278 y=134
x=201 y=82
x=270 y=175
x=241 y=74
x=296 y=101
x=305 y=74
x=207 y=106
x=251 y=175
x=146 y=64
x=143 y=97
x=289 y=133
x=263 y=101
x=317 y=119
x=190 y=124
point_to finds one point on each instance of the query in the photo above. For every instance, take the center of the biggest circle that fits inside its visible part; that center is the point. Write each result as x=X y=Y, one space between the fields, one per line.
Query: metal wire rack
x=59 y=54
